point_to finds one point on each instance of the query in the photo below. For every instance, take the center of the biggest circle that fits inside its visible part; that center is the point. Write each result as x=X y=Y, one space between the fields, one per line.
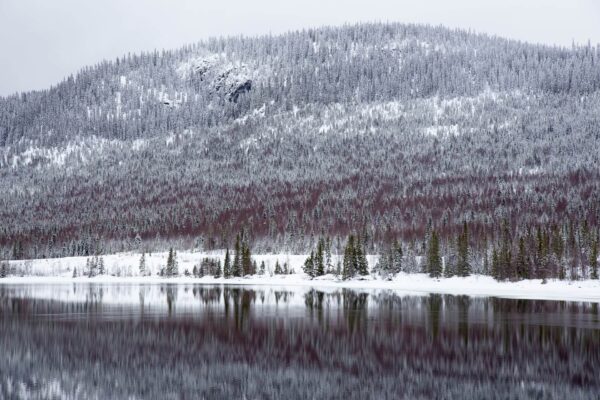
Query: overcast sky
x=42 y=41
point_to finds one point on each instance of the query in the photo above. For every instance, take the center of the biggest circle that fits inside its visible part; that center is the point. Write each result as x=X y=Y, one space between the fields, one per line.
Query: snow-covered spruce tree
x=278 y=270
x=350 y=263
x=218 y=270
x=319 y=258
x=463 y=266
x=91 y=267
x=246 y=259
x=227 y=265
x=175 y=270
x=434 y=262
x=361 y=266
x=236 y=268
x=329 y=267
x=3 y=269
x=262 y=269
x=101 y=269
x=172 y=269
x=309 y=265
x=397 y=256
x=142 y=265
x=594 y=259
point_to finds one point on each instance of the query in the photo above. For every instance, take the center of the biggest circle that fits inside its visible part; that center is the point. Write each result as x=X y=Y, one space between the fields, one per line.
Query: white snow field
x=123 y=268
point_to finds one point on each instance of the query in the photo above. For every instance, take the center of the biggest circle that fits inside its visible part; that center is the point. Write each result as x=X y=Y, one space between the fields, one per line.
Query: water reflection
x=193 y=341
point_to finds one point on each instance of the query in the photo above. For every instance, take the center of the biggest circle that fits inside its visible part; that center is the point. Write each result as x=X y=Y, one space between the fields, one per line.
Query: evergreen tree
x=278 y=270
x=450 y=261
x=169 y=266
x=361 y=264
x=75 y=274
x=261 y=270
x=91 y=268
x=318 y=260
x=175 y=264
x=463 y=266
x=218 y=271
x=237 y=258
x=246 y=260
x=172 y=268
x=349 y=263
x=101 y=270
x=434 y=261
x=397 y=255
x=227 y=265
x=309 y=265
x=142 y=266
x=3 y=269
x=594 y=259
x=521 y=261
x=495 y=264
x=328 y=259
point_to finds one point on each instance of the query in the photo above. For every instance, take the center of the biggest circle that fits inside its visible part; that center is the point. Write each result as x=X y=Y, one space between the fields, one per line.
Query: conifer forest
x=444 y=151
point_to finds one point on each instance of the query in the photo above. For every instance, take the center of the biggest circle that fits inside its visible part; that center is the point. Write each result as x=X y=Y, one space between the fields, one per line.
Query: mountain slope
x=385 y=129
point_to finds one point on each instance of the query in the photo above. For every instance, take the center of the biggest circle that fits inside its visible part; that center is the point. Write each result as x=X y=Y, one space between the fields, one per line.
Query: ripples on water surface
x=190 y=342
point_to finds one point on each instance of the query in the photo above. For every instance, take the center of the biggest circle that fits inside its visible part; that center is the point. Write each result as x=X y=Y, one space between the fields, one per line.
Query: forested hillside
x=387 y=131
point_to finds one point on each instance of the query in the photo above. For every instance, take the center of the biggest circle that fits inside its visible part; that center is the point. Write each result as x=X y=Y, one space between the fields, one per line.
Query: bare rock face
x=233 y=82
x=217 y=75
x=243 y=88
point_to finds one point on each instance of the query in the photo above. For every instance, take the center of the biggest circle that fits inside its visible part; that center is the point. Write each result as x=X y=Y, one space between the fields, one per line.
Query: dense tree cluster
x=387 y=130
x=208 y=267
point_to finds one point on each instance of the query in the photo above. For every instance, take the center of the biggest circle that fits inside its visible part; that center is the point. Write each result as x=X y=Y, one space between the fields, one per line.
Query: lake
x=185 y=341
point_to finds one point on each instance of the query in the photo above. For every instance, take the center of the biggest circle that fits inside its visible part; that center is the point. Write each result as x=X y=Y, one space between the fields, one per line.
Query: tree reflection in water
x=173 y=341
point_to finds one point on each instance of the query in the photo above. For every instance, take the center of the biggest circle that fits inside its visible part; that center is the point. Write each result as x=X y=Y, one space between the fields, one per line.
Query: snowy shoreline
x=60 y=271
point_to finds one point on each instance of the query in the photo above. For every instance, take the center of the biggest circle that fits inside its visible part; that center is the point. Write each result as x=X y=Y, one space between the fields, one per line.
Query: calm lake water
x=132 y=341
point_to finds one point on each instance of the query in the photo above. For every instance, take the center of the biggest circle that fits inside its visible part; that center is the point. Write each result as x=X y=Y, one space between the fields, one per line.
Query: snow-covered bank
x=123 y=268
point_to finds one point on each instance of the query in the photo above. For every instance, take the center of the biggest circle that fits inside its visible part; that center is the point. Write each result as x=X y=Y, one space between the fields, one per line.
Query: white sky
x=42 y=41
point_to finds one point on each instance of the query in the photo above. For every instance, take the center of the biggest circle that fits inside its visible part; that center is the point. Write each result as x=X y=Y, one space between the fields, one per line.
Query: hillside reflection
x=187 y=341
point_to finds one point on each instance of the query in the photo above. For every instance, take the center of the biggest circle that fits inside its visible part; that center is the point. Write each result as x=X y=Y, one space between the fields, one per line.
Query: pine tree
x=142 y=266
x=227 y=265
x=319 y=262
x=463 y=267
x=594 y=259
x=169 y=267
x=91 y=268
x=175 y=264
x=521 y=261
x=101 y=270
x=172 y=267
x=218 y=271
x=328 y=260
x=237 y=258
x=434 y=261
x=361 y=264
x=262 y=268
x=278 y=270
x=246 y=259
x=75 y=274
x=349 y=264
x=309 y=265
x=495 y=264
x=450 y=261
x=397 y=255
x=505 y=264
x=3 y=269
